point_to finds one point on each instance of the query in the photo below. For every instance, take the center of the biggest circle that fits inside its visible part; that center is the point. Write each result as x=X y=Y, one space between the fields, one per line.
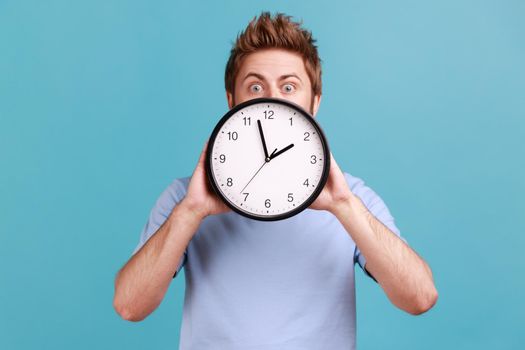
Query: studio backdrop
x=104 y=103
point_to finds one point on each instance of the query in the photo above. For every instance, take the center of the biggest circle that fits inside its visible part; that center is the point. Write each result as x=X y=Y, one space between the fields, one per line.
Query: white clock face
x=272 y=184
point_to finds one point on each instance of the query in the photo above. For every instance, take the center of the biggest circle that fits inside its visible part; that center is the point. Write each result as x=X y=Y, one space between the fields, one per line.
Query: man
x=271 y=285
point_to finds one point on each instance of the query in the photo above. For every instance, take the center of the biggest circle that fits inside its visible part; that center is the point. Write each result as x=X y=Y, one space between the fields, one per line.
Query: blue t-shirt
x=256 y=285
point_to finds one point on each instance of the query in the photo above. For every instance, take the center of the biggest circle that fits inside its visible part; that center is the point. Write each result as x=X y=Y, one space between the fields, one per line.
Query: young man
x=271 y=285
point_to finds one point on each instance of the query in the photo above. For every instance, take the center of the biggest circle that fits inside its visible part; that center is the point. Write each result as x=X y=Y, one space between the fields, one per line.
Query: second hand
x=254 y=175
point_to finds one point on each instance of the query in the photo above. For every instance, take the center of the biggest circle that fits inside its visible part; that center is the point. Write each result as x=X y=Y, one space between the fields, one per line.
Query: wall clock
x=267 y=159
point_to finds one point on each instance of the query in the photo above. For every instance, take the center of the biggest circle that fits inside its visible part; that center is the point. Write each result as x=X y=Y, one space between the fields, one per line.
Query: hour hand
x=275 y=154
x=266 y=156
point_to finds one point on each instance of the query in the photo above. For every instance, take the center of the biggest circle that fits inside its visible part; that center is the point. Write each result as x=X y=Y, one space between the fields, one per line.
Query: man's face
x=274 y=73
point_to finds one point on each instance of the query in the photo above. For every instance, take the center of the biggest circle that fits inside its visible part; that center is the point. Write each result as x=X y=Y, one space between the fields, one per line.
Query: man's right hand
x=200 y=198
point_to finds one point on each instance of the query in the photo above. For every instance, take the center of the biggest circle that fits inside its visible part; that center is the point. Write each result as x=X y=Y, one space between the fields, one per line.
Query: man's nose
x=273 y=92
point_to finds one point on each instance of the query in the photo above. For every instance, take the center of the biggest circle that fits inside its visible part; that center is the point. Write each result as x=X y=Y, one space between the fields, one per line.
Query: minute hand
x=275 y=154
x=266 y=156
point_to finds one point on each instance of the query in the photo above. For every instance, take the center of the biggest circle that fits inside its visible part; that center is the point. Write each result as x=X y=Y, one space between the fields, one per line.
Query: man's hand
x=200 y=198
x=336 y=190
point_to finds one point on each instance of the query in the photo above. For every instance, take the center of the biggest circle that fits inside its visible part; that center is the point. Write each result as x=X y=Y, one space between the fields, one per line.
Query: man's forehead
x=272 y=63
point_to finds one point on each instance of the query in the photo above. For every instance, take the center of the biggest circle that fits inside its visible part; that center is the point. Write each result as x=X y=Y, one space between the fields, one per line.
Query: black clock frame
x=326 y=158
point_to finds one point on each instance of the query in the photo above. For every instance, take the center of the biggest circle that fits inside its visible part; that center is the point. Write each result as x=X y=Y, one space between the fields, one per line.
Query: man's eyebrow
x=252 y=74
x=293 y=75
x=282 y=77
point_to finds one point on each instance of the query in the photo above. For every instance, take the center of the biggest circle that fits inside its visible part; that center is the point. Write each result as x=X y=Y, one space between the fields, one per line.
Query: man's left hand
x=336 y=190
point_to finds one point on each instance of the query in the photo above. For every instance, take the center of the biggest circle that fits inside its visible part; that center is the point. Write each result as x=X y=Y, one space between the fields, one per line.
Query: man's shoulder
x=361 y=189
x=174 y=192
x=356 y=184
x=351 y=179
x=180 y=183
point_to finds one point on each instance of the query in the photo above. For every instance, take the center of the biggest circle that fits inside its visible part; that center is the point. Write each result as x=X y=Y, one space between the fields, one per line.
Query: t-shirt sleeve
x=377 y=207
x=170 y=197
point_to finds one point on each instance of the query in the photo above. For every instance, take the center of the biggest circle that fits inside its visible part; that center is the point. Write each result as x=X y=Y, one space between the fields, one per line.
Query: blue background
x=103 y=103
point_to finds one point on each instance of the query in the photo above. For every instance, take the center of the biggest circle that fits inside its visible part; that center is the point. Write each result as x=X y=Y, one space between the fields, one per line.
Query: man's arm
x=142 y=283
x=403 y=275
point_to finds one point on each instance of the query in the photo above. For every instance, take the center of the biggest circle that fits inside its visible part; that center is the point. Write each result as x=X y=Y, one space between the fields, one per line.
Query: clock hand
x=273 y=155
x=266 y=156
x=254 y=175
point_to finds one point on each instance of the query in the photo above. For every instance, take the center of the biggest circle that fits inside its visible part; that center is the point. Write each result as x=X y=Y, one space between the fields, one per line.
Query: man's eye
x=288 y=88
x=256 y=88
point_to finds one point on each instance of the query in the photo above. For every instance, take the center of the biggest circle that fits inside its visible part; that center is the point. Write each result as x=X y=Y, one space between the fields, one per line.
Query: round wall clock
x=267 y=159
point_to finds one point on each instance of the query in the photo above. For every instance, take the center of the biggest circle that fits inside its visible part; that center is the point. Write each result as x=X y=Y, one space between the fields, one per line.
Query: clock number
x=267 y=203
x=268 y=114
x=290 y=197
x=306 y=183
x=306 y=136
x=229 y=182
x=313 y=159
x=222 y=158
x=247 y=120
x=246 y=194
x=233 y=135
x=291 y=121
